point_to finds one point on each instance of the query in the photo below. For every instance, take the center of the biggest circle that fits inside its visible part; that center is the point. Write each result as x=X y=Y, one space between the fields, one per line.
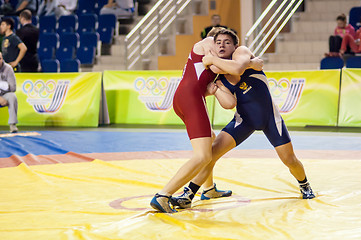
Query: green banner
x=350 y=98
x=303 y=98
x=143 y=97
x=63 y=99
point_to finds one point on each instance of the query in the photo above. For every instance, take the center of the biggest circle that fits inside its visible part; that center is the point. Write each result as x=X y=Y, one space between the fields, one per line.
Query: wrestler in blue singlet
x=255 y=110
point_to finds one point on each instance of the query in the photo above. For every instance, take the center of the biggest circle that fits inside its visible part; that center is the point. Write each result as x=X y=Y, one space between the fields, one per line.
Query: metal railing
x=141 y=42
x=262 y=35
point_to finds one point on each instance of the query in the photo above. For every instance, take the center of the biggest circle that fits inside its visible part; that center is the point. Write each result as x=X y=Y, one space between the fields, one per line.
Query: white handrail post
x=140 y=43
x=126 y=53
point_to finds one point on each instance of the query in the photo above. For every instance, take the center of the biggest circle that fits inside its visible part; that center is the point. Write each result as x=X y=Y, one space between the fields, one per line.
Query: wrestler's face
x=225 y=46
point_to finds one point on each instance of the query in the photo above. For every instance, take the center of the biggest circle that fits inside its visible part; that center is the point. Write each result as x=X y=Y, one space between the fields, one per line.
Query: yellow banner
x=141 y=97
x=350 y=98
x=63 y=99
x=303 y=98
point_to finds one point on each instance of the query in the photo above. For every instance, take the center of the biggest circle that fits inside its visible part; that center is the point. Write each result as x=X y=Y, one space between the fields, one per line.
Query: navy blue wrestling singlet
x=255 y=110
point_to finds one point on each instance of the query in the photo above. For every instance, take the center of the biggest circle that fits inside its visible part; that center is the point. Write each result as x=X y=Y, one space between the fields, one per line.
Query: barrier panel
x=303 y=98
x=145 y=97
x=350 y=98
x=142 y=97
x=63 y=99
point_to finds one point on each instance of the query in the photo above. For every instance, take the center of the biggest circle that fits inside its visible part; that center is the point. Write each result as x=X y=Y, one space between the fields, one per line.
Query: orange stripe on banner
x=32 y=159
x=72 y=157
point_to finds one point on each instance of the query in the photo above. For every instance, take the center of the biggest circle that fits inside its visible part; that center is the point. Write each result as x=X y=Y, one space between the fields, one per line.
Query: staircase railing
x=263 y=34
x=142 y=41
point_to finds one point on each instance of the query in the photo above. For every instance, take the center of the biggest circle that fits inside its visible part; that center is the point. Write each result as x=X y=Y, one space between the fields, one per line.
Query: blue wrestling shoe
x=306 y=191
x=161 y=203
x=184 y=200
x=215 y=193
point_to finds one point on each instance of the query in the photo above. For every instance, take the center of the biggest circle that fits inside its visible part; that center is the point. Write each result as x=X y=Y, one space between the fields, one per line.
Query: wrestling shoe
x=306 y=191
x=215 y=193
x=161 y=203
x=184 y=200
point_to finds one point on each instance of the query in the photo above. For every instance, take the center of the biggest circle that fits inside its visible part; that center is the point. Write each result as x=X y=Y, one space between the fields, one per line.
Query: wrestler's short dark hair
x=213 y=31
x=228 y=32
x=9 y=21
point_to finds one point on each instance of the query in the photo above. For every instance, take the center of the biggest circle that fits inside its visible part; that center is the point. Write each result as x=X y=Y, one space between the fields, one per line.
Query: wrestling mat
x=85 y=185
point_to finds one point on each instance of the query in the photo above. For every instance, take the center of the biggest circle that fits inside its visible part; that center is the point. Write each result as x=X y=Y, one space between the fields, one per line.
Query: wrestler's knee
x=291 y=161
x=203 y=158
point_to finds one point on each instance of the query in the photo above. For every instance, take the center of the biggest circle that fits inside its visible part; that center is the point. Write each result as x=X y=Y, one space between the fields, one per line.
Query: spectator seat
x=69 y=39
x=70 y=65
x=67 y=23
x=85 y=6
x=353 y=62
x=50 y=65
x=106 y=27
x=355 y=17
x=331 y=63
x=87 y=22
x=65 y=52
x=47 y=24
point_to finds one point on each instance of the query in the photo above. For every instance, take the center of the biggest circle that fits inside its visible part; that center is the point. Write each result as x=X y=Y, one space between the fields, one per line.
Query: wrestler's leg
x=221 y=145
x=288 y=157
x=202 y=155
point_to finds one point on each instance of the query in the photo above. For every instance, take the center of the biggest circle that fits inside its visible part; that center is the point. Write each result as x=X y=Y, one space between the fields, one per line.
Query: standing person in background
x=340 y=31
x=29 y=34
x=12 y=47
x=7 y=93
x=119 y=8
x=215 y=22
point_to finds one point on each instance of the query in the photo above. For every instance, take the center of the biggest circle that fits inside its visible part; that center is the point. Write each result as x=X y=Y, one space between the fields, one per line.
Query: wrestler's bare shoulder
x=203 y=46
x=243 y=50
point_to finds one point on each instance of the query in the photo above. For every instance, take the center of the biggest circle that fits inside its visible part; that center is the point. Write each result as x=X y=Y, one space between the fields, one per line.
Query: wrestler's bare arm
x=224 y=96
x=242 y=59
x=206 y=46
x=236 y=66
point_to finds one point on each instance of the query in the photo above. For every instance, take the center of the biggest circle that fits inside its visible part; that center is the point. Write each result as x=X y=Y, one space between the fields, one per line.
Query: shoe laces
x=186 y=193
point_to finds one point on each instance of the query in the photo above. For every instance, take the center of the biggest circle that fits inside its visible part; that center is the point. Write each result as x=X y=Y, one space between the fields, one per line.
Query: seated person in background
x=340 y=31
x=7 y=93
x=349 y=41
x=119 y=8
x=26 y=4
x=216 y=22
x=46 y=8
x=6 y=7
x=65 y=7
x=29 y=34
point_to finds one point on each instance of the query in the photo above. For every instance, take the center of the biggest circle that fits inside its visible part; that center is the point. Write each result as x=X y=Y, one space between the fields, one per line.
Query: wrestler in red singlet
x=189 y=101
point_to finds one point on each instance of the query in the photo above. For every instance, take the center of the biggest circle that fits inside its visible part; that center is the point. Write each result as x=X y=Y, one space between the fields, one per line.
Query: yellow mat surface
x=110 y=200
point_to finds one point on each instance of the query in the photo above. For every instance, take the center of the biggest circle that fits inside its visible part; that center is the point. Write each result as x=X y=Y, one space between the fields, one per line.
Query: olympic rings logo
x=151 y=86
x=39 y=89
x=280 y=87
